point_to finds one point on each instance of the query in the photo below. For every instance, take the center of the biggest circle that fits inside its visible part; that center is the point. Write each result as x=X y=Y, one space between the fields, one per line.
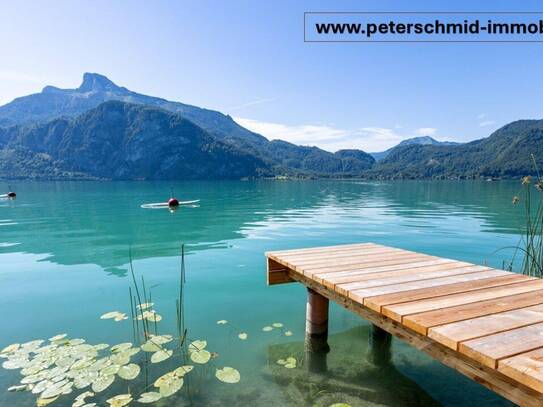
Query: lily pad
x=161 y=339
x=80 y=400
x=340 y=405
x=267 y=328
x=102 y=383
x=242 y=336
x=161 y=355
x=129 y=372
x=58 y=337
x=277 y=325
x=42 y=402
x=145 y=305
x=120 y=400
x=200 y=356
x=197 y=345
x=22 y=387
x=149 y=397
x=120 y=317
x=222 y=322
x=110 y=315
x=171 y=387
x=183 y=370
x=121 y=347
x=120 y=358
x=228 y=375
x=10 y=348
x=150 y=346
x=288 y=333
x=291 y=363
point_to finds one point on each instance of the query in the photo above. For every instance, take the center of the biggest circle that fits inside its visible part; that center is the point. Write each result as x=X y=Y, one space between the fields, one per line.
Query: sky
x=248 y=59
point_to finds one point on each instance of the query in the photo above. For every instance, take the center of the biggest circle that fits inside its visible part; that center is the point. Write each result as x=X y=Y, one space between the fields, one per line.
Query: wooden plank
x=405 y=276
x=525 y=368
x=423 y=321
x=511 y=389
x=423 y=289
x=452 y=334
x=324 y=254
x=334 y=258
x=309 y=271
x=398 y=311
x=357 y=261
x=345 y=276
x=277 y=273
x=488 y=350
x=319 y=249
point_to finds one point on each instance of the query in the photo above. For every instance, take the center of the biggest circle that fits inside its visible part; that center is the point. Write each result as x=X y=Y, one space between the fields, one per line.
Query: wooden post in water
x=379 y=346
x=316 y=332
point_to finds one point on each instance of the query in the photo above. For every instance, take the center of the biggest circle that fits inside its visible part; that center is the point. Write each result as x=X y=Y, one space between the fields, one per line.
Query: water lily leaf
x=161 y=355
x=80 y=400
x=145 y=305
x=197 y=345
x=171 y=387
x=120 y=317
x=291 y=363
x=228 y=375
x=288 y=333
x=58 y=337
x=131 y=352
x=282 y=362
x=85 y=378
x=267 y=328
x=222 y=322
x=18 y=388
x=75 y=342
x=110 y=315
x=101 y=346
x=110 y=370
x=129 y=372
x=242 y=336
x=102 y=383
x=121 y=347
x=340 y=405
x=161 y=339
x=120 y=400
x=149 y=397
x=120 y=358
x=150 y=346
x=10 y=348
x=277 y=325
x=200 y=356
x=183 y=370
x=11 y=364
x=154 y=317
x=41 y=386
x=165 y=378
x=42 y=402
x=55 y=389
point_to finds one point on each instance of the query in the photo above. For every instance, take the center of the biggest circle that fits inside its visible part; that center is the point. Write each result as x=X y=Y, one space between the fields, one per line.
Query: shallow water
x=64 y=254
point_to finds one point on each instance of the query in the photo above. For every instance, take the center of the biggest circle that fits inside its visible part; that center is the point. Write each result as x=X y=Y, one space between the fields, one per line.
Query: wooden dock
x=485 y=323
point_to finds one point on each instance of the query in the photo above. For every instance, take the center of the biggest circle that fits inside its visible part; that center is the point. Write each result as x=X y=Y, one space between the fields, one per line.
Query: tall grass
x=530 y=245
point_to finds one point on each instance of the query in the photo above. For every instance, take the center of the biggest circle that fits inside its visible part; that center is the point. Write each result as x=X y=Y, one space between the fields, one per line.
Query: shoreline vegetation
x=101 y=131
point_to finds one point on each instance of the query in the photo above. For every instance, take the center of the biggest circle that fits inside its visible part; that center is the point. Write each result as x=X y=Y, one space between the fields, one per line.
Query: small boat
x=10 y=194
x=169 y=204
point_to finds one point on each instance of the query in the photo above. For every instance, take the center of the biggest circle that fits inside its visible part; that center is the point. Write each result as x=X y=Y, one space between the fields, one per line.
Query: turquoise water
x=63 y=263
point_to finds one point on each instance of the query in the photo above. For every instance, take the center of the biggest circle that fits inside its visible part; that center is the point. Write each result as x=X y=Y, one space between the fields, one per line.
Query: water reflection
x=94 y=223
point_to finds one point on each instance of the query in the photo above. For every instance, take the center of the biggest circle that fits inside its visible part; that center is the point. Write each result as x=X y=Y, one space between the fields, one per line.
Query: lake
x=64 y=254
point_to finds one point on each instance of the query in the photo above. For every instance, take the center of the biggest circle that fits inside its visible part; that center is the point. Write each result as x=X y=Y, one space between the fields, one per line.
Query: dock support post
x=316 y=332
x=379 y=346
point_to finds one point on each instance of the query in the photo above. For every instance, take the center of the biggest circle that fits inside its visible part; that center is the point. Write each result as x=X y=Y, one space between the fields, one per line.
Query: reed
x=530 y=246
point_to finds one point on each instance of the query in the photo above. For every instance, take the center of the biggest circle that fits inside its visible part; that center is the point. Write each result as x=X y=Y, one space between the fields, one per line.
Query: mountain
x=279 y=157
x=506 y=153
x=118 y=140
x=423 y=140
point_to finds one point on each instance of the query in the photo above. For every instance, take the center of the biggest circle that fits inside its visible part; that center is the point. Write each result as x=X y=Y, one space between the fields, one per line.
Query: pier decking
x=485 y=323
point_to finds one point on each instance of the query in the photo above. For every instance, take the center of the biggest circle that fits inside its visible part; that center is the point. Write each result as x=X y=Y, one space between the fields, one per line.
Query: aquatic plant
x=57 y=367
x=531 y=241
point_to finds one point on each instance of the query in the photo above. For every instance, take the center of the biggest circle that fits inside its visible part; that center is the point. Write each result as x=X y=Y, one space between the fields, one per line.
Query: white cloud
x=426 y=131
x=248 y=104
x=481 y=116
x=487 y=123
x=326 y=137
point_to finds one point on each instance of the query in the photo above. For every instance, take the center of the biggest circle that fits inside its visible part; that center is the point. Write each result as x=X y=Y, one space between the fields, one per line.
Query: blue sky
x=248 y=59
